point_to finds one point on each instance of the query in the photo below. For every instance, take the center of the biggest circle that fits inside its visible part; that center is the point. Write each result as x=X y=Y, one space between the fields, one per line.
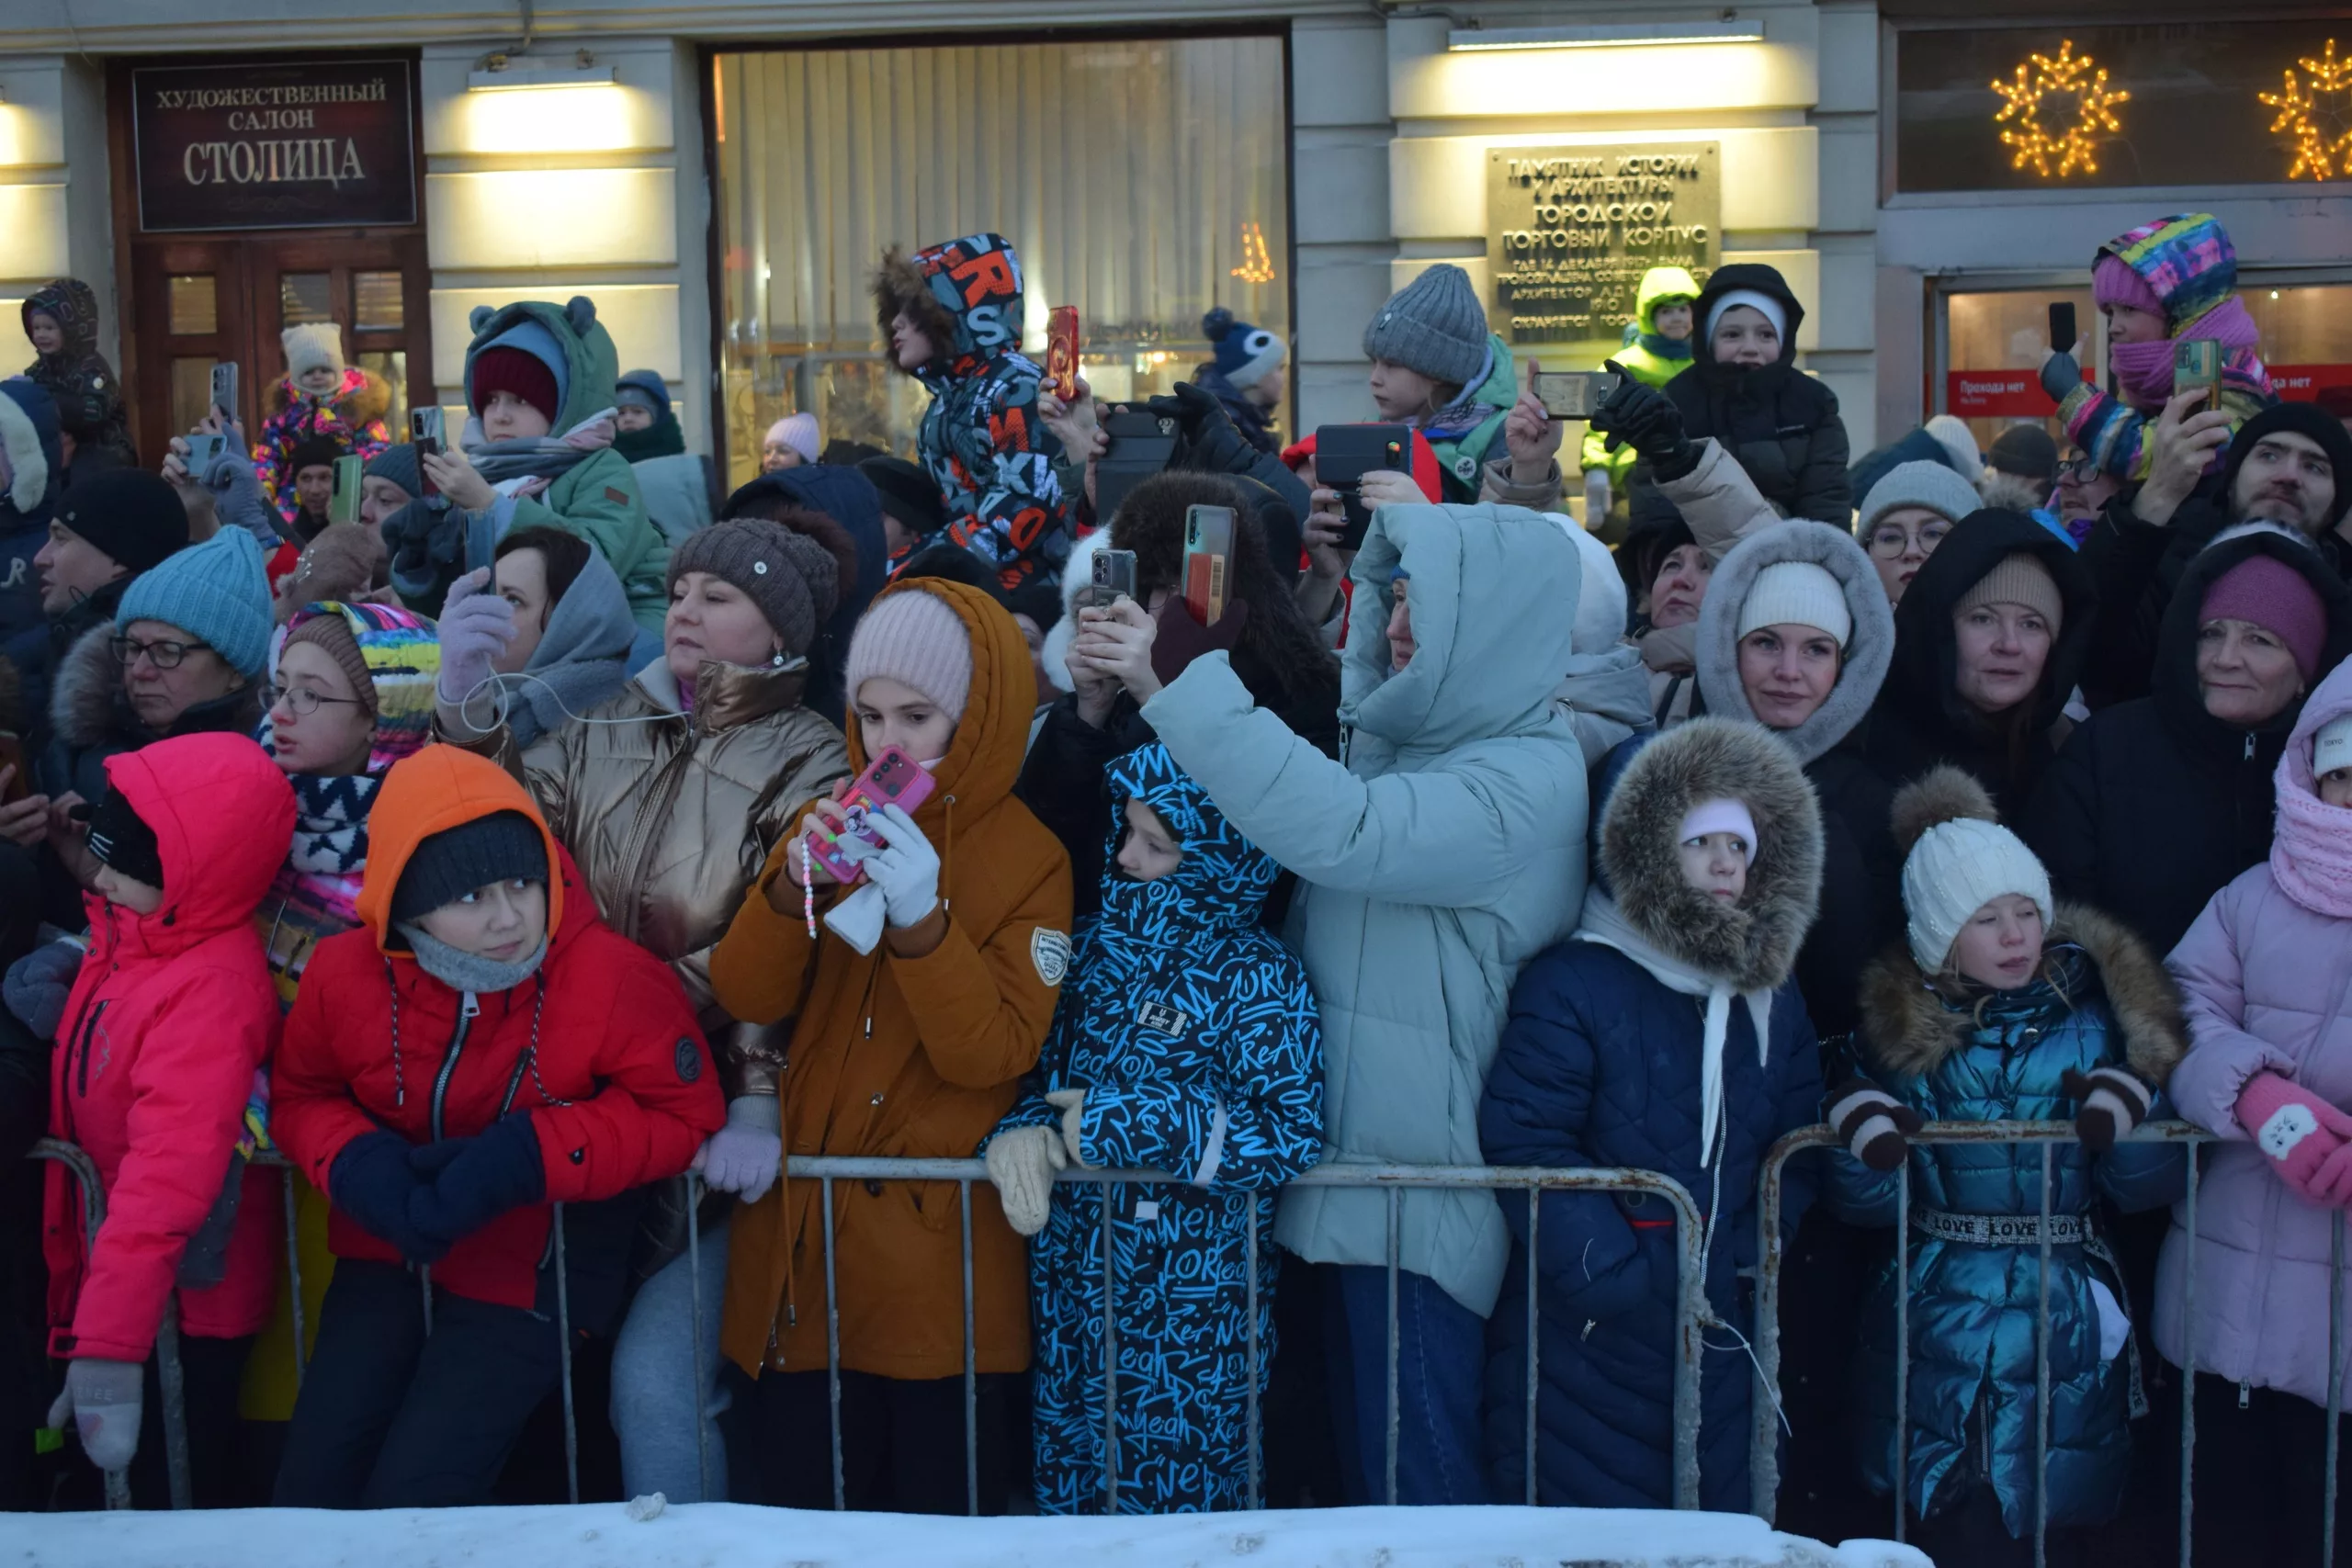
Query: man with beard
x=2291 y=464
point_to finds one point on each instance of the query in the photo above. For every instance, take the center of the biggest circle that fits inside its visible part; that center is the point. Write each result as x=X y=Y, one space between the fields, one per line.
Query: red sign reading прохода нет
x=274 y=144
x=2017 y=394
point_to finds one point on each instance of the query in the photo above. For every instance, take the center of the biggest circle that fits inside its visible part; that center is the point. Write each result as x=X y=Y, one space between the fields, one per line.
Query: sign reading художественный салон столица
x=274 y=144
x=1570 y=231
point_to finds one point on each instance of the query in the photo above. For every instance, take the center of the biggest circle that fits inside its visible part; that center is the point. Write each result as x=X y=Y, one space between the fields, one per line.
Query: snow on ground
x=602 y=1535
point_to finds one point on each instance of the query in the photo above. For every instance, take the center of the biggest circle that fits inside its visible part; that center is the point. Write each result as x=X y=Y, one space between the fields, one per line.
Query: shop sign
x=274 y=144
x=2303 y=383
x=1998 y=394
x=1571 y=229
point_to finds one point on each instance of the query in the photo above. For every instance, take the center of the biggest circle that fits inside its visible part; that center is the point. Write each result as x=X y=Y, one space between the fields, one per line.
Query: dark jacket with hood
x=2154 y=806
x=1602 y=1063
x=1860 y=898
x=1780 y=423
x=981 y=439
x=849 y=498
x=91 y=717
x=1921 y=720
x=77 y=377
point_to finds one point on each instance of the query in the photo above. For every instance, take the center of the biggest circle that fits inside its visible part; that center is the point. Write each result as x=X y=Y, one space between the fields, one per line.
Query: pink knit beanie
x=2114 y=283
x=917 y=637
x=2268 y=592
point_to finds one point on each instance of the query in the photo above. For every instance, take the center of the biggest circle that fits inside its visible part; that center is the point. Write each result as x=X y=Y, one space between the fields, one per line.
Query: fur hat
x=914 y=636
x=1957 y=859
x=1433 y=325
x=314 y=346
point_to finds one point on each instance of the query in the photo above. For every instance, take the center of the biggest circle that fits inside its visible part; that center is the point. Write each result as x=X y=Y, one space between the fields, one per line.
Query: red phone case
x=893 y=778
x=1062 y=343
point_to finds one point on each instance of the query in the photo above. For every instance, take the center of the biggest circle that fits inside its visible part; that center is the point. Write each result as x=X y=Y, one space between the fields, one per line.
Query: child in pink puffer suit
x=2264 y=972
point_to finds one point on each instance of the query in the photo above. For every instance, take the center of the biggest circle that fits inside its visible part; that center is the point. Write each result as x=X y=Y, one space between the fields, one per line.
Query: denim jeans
x=655 y=1380
x=1440 y=1367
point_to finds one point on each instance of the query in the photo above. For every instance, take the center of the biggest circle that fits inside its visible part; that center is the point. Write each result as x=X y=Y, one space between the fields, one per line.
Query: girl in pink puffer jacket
x=2266 y=973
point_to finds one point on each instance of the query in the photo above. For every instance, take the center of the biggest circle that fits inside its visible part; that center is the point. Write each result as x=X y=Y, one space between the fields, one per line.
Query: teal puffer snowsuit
x=1974 y=1307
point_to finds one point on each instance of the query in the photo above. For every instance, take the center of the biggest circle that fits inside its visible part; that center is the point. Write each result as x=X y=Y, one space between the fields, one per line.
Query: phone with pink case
x=893 y=778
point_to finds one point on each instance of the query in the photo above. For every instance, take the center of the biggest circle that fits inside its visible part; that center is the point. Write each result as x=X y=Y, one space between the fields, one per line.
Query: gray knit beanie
x=1434 y=325
x=1920 y=483
x=793 y=579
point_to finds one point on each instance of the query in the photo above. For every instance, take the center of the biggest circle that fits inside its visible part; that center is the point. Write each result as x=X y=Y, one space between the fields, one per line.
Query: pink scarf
x=592 y=433
x=2143 y=370
x=2311 y=849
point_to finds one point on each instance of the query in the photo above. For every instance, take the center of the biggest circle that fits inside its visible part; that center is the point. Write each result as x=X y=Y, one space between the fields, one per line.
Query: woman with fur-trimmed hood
x=1667 y=1034
x=2003 y=1006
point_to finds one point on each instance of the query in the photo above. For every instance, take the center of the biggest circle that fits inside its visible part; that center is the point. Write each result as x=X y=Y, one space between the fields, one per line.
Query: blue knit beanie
x=1245 y=355
x=646 y=388
x=398 y=464
x=217 y=592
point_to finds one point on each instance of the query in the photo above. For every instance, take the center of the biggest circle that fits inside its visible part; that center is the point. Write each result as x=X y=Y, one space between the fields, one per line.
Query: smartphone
x=1062 y=343
x=424 y=431
x=1569 y=394
x=1141 y=444
x=2061 y=325
x=1114 y=574
x=893 y=778
x=2197 y=362
x=224 y=389
x=344 y=505
x=12 y=755
x=1208 y=557
x=203 y=451
x=1345 y=453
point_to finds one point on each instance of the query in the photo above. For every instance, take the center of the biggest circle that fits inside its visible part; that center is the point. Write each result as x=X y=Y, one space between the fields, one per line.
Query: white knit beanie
x=1771 y=309
x=1796 y=592
x=314 y=346
x=2332 y=747
x=797 y=430
x=1957 y=868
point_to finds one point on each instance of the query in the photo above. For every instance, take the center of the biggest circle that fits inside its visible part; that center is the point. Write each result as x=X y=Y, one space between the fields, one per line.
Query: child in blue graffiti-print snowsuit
x=1186 y=1042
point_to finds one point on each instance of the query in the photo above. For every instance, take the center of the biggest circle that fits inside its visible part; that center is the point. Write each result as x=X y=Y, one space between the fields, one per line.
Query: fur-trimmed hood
x=1910 y=1030
x=362 y=399
x=1869 y=650
x=965 y=295
x=1751 y=946
x=83 y=689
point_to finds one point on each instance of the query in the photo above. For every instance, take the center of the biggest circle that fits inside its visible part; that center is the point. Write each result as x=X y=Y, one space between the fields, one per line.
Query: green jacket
x=1660 y=285
x=1463 y=454
x=1442 y=852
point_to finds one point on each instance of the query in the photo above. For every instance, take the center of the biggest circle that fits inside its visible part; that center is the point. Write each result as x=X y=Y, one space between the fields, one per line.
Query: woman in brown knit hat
x=671 y=798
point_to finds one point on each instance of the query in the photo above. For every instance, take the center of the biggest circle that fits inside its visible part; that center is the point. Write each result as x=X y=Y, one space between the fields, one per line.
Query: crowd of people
x=1939 y=785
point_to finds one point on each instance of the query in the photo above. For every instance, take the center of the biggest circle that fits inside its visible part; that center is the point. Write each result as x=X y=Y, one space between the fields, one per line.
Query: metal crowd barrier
x=1692 y=1315
x=1764 y=1460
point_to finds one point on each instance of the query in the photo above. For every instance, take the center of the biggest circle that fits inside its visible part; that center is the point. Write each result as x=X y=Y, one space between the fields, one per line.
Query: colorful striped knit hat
x=393 y=658
x=2186 y=262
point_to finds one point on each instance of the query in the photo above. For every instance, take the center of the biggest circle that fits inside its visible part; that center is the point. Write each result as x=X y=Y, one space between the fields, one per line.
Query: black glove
x=1645 y=419
x=1207 y=440
x=497 y=1170
x=371 y=1181
x=1873 y=1124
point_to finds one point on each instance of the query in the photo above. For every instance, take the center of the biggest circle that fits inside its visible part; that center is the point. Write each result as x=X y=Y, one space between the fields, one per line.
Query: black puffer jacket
x=2155 y=805
x=1920 y=719
x=1780 y=423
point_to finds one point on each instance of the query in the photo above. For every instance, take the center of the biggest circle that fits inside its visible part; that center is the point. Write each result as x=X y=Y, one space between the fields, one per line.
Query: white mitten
x=1072 y=1105
x=1022 y=1163
x=103 y=1399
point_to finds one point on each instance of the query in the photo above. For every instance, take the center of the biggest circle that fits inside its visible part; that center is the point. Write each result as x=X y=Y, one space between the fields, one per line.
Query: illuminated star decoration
x=2034 y=141
x=1257 y=265
x=2304 y=116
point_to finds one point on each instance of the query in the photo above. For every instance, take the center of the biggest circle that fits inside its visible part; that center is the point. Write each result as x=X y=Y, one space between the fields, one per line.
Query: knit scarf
x=315 y=894
x=463 y=971
x=2311 y=854
x=1603 y=924
x=2143 y=370
x=663 y=438
x=1663 y=347
x=1464 y=413
x=528 y=465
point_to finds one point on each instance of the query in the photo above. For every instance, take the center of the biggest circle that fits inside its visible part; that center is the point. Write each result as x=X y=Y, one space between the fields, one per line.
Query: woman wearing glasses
x=1905 y=517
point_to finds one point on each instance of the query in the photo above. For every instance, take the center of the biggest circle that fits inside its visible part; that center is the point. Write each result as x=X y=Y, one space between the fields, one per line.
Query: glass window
x=191 y=393
x=1142 y=180
x=306 y=297
x=194 y=306
x=2306 y=334
x=2227 y=102
x=380 y=307
x=1995 y=344
x=392 y=365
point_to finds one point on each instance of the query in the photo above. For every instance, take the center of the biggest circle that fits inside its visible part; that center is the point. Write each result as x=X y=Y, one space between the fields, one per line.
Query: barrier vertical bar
x=1902 y=1346
x=2041 y=1384
x=564 y=1337
x=1534 y=1329
x=971 y=1370
x=2188 y=1365
x=1256 y=1501
x=169 y=1372
x=2334 y=1378
x=294 y=1278
x=1110 y=1354
x=424 y=1286
x=833 y=1355
x=1395 y=1416
x=702 y=1388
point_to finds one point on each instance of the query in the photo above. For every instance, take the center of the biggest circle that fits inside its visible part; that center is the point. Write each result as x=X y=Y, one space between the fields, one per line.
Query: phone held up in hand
x=1062 y=343
x=1141 y=444
x=893 y=778
x=204 y=449
x=1345 y=453
x=424 y=431
x=1571 y=394
x=1113 y=577
x=224 y=390
x=2061 y=325
x=2197 y=362
x=1209 y=559
x=344 y=505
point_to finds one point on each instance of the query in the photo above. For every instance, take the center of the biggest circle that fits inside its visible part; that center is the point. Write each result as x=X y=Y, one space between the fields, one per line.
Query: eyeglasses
x=2080 y=471
x=302 y=700
x=161 y=655
x=1894 y=538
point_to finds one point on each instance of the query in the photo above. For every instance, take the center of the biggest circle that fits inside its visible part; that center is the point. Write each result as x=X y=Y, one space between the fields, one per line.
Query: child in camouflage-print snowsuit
x=1186 y=1042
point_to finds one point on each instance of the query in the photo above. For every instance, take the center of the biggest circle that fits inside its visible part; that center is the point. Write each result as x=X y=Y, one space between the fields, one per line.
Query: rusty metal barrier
x=1764 y=1462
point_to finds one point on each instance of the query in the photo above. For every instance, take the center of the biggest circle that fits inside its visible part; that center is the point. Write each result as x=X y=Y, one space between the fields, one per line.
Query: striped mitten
x=1873 y=1124
x=2114 y=1101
